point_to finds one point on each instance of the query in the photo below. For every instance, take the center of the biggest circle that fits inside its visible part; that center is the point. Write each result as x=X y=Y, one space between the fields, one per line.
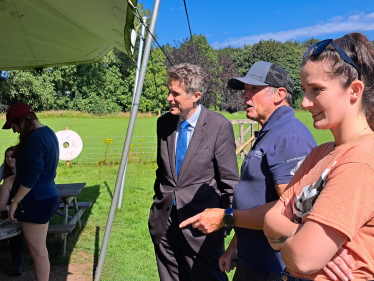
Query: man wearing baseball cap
x=279 y=149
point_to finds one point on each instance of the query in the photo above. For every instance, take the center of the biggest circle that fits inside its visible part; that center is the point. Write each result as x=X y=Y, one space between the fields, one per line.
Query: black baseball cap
x=263 y=73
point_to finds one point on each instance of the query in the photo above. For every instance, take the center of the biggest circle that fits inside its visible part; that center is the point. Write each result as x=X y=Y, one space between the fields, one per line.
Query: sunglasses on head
x=321 y=46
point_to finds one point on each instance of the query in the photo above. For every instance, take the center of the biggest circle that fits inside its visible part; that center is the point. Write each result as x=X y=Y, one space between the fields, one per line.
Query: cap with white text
x=264 y=73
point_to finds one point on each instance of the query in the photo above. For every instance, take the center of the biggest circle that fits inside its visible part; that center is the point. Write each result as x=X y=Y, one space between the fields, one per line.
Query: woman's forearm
x=278 y=229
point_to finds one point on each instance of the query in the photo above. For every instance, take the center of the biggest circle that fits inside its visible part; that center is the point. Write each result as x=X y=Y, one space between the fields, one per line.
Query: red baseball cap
x=16 y=110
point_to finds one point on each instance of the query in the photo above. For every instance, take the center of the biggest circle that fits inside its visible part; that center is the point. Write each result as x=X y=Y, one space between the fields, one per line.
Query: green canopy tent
x=43 y=33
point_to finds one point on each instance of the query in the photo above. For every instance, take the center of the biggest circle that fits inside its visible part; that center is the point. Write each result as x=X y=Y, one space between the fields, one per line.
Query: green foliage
x=28 y=86
x=108 y=87
x=230 y=52
x=155 y=89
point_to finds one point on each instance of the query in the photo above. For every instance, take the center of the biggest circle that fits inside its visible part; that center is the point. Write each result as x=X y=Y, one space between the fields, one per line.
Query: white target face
x=70 y=144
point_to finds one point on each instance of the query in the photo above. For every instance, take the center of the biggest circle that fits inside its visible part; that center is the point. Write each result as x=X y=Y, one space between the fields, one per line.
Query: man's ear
x=280 y=95
x=196 y=96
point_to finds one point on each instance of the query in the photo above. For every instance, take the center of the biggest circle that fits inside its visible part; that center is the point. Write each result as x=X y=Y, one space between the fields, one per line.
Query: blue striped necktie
x=181 y=146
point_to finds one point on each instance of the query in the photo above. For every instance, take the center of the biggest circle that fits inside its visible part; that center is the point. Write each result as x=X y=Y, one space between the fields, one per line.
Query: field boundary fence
x=98 y=150
x=106 y=150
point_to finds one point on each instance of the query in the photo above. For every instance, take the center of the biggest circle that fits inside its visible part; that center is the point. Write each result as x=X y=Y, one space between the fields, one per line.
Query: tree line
x=107 y=87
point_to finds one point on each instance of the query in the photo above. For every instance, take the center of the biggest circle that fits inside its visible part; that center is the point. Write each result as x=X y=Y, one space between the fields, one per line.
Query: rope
x=154 y=75
x=142 y=38
x=193 y=45
x=141 y=20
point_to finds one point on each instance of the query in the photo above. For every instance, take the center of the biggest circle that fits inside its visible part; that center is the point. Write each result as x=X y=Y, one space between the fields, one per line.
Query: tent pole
x=126 y=148
x=141 y=43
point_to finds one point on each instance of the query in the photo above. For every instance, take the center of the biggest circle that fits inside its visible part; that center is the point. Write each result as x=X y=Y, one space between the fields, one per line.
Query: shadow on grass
x=60 y=269
x=108 y=189
x=97 y=250
x=88 y=193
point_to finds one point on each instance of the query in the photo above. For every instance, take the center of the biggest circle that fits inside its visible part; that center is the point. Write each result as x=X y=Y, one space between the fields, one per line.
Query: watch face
x=229 y=220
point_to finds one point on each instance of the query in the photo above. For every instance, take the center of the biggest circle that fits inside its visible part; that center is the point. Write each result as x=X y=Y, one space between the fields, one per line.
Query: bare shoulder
x=8 y=182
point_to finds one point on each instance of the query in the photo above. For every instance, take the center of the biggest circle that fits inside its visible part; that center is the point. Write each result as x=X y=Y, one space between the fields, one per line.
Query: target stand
x=70 y=145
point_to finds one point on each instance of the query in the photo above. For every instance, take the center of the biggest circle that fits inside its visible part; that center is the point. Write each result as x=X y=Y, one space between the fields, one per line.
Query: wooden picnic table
x=9 y=229
x=68 y=193
x=68 y=196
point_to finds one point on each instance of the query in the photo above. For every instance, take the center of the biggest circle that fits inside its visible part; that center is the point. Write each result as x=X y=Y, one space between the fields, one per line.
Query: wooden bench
x=63 y=230
x=80 y=205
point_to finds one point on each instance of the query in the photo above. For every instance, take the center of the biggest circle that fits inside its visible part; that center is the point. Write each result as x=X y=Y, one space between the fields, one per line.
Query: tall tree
x=231 y=100
x=207 y=58
x=28 y=86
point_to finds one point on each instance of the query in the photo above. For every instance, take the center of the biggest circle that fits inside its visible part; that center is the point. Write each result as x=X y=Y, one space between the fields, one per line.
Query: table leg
x=63 y=250
x=66 y=209
x=75 y=203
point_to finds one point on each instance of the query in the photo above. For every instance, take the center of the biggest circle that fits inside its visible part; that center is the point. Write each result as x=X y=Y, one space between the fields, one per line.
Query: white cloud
x=355 y=23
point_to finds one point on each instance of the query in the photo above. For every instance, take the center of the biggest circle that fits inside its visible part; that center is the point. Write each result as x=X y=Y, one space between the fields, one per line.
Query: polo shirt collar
x=280 y=115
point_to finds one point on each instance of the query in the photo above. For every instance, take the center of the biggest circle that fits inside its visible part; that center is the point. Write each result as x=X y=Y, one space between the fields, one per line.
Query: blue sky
x=236 y=23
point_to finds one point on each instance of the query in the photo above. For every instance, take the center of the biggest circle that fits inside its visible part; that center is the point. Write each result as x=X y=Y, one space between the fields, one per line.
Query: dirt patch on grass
x=61 y=270
x=58 y=273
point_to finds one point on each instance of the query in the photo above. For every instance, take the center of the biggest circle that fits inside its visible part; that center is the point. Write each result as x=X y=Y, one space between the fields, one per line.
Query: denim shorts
x=39 y=212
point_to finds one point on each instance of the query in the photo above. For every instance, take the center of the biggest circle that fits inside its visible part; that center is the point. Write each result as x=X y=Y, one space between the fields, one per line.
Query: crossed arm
x=335 y=263
x=309 y=247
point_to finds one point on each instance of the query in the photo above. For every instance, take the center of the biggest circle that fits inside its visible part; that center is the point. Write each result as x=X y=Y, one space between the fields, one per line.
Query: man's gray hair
x=190 y=76
x=287 y=98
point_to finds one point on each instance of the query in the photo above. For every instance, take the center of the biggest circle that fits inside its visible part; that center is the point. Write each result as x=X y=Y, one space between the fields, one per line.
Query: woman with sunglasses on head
x=328 y=207
x=34 y=197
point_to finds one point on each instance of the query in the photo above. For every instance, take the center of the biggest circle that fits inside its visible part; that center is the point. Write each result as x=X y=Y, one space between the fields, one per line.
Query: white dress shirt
x=192 y=121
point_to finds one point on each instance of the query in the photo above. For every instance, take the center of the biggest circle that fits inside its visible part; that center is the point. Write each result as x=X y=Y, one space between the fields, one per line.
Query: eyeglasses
x=321 y=46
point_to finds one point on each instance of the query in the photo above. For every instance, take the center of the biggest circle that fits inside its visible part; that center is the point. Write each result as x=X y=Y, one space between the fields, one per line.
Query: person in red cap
x=34 y=198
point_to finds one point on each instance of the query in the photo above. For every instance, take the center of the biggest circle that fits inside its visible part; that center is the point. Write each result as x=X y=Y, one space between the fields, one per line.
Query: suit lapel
x=171 y=133
x=194 y=143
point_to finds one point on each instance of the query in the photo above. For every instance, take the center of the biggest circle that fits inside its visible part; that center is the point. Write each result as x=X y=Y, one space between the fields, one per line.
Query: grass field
x=130 y=253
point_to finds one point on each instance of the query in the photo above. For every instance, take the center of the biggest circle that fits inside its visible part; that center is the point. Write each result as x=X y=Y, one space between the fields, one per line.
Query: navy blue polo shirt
x=280 y=147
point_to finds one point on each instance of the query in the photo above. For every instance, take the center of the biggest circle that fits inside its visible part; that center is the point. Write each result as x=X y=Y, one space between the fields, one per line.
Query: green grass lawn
x=130 y=253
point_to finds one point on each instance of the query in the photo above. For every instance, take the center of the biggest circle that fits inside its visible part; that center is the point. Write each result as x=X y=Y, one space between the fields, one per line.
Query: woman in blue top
x=34 y=197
